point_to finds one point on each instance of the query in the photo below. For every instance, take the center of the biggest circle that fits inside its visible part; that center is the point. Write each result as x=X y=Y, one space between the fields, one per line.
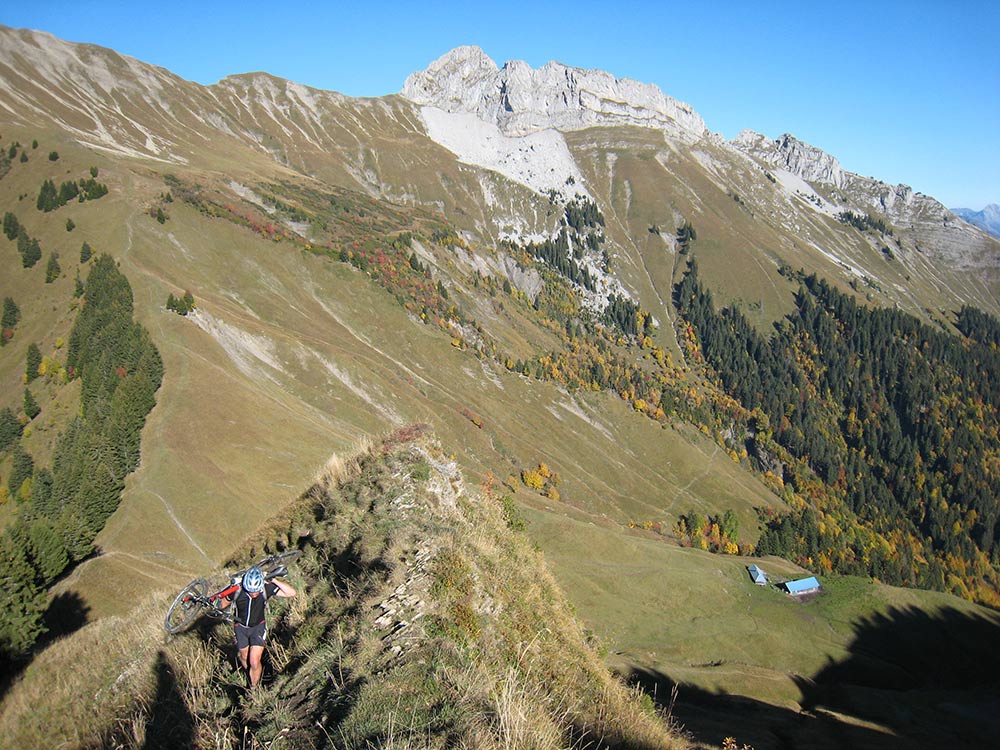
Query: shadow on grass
x=932 y=676
x=912 y=680
x=66 y=614
x=169 y=725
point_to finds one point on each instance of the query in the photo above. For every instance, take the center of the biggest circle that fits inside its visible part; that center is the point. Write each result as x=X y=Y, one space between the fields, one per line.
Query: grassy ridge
x=423 y=620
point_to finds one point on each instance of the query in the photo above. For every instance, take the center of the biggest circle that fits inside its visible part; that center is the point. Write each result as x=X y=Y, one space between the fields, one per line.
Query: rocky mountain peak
x=789 y=153
x=988 y=219
x=520 y=100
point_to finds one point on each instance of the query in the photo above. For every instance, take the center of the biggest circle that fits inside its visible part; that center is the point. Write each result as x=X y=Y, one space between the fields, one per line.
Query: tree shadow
x=170 y=725
x=911 y=680
x=711 y=717
x=933 y=676
x=67 y=613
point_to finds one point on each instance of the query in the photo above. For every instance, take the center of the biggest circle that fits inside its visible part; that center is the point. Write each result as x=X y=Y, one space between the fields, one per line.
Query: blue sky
x=902 y=91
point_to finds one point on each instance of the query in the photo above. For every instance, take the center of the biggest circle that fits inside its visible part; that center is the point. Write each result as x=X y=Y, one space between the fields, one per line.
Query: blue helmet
x=253 y=580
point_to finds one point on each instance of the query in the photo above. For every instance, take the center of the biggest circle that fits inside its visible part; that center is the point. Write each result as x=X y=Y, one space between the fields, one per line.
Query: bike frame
x=224 y=594
x=194 y=600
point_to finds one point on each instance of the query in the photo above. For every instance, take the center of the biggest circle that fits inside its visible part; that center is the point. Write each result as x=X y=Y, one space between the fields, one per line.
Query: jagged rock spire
x=520 y=99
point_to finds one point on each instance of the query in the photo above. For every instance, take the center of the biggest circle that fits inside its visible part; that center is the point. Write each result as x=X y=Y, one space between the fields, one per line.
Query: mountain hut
x=802 y=586
x=757 y=575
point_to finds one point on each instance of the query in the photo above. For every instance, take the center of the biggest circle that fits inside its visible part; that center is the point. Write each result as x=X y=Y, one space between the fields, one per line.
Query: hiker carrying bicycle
x=251 y=616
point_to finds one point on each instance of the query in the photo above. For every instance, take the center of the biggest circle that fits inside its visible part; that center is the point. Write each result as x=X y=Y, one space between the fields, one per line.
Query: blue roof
x=804 y=584
x=757 y=574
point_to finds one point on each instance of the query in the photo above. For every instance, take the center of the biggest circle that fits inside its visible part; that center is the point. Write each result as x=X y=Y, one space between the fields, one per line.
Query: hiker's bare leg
x=256 y=668
x=242 y=654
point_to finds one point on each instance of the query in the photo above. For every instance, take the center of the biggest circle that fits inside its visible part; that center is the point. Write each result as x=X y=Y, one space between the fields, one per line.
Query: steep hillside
x=291 y=351
x=498 y=252
x=422 y=620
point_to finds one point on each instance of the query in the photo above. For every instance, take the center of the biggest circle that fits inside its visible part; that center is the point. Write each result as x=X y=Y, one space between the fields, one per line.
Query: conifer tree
x=48 y=198
x=67 y=192
x=21 y=468
x=31 y=408
x=33 y=360
x=85 y=252
x=11 y=315
x=43 y=504
x=53 y=269
x=29 y=248
x=10 y=428
x=22 y=600
x=46 y=550
x=11 y=226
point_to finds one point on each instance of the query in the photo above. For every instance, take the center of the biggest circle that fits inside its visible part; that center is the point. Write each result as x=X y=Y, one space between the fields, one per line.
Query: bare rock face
x=943 y=235
x=522 y=100
x=789 y=153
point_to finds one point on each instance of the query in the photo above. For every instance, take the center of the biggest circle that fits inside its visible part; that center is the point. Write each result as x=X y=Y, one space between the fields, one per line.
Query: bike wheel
x=186 y=607
x=273 y=561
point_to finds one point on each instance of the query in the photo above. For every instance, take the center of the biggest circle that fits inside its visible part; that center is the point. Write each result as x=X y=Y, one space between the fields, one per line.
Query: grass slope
x=859 y=663
x=423 y=621
x=292 y=355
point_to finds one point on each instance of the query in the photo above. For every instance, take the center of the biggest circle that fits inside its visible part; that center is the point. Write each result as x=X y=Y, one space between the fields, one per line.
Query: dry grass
x=87 y=686
x=497 y=661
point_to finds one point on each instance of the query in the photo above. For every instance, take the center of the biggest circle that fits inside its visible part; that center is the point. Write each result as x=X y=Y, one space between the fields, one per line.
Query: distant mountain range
x=988 y=219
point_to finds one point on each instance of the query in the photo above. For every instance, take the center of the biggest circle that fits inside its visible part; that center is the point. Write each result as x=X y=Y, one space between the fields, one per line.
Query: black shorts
x=253 y=636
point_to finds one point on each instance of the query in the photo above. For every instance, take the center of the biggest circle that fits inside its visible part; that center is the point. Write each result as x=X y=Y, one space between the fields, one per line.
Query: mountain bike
x=195 y=599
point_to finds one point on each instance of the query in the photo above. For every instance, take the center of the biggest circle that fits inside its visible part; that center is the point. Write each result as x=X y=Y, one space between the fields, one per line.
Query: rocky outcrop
x=789 y=153
x=522 y=100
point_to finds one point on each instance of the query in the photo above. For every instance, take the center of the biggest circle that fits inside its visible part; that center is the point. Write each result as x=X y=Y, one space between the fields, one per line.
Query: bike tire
x=271 y=562
x=186 y=607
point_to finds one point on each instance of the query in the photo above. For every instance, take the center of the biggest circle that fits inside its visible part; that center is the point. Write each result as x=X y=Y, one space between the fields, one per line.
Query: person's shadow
x=169 y=726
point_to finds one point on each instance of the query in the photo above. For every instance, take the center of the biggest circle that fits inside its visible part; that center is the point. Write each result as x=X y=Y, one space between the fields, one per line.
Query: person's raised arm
x=284 y=590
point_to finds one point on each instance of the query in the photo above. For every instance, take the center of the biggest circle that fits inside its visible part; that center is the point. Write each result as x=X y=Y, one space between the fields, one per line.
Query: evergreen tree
x=53 y=269
x=22 y=600
x=31 y=251
x=91 y=190
x=11 y=313
x=31 y=408
x=21 y=468
x=43 y=504
x=29 y=248
x=85 y=252
x=46 y=550
x=48 y=197
x=78 y=288
x=11 y=226
x=33 y=360
x=67 y=192
x=10 y=428
x=33 y=254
